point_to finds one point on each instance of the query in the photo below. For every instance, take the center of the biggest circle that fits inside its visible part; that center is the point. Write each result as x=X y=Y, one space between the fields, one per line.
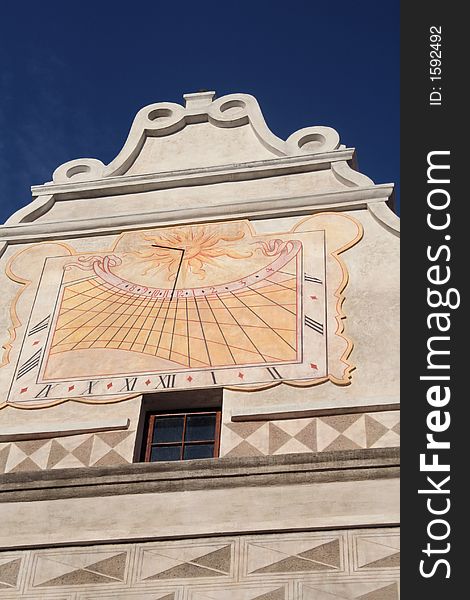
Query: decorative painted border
x=340 y=316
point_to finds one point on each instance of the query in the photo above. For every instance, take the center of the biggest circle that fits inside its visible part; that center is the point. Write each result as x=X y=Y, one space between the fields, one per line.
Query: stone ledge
x=288 y=165
x=53 y=430
x=229 y=496
x=32 y=231
x=139 y=478
x=291 y=411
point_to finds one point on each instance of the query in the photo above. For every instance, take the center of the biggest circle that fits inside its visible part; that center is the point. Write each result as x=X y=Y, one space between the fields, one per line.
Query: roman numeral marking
x=166 y=381
x=40 y=326
x=312 y=279
x=89 y=388
x=44 y=393
x=31 y=363
x=274 y=373
x=315 y=325
x=130 y=384
x=213 y=378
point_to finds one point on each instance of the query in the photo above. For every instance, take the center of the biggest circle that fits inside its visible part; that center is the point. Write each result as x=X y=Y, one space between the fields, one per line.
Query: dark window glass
x=168 y=429
x=198 y=451
x=183 y=436
x=165 y=453
x=200 y=427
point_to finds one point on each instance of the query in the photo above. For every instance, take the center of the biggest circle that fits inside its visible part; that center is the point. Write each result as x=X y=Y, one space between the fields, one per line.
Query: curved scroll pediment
x=196 y=162
x=205 y=132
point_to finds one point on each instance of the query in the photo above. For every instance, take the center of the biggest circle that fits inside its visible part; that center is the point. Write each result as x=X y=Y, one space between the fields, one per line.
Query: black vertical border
x=424 y=129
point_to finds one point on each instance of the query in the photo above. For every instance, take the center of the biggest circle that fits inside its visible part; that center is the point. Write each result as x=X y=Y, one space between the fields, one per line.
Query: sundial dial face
x=185 y=307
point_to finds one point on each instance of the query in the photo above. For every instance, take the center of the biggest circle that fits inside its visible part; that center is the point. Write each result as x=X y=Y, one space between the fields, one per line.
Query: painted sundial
x=192 y=306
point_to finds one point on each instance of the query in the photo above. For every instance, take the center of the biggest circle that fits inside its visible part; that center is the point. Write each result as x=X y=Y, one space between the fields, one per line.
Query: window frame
x=152 y=416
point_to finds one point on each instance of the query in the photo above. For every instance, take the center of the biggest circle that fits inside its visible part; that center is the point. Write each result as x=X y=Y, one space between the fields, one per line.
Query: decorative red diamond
x=110 y=385
x=23 y=390
x=189 y=378
x=147 y=382
x=36 y=342
x=313 y=366
x=313 y=297
x=241 y=375
x=71 y=387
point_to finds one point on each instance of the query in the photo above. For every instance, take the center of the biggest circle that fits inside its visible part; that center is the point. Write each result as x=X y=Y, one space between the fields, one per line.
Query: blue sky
x=72 y=76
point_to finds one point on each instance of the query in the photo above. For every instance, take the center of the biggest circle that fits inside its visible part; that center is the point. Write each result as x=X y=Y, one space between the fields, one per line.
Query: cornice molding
x=204 y=175
x=348 y=199
x=41 y=431
x=139 y=478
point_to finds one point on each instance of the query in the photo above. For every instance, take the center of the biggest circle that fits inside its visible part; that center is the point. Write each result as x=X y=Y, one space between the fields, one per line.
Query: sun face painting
x=191 y=306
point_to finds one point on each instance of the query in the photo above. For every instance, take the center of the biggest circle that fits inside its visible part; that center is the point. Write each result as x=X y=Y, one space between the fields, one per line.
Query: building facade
x=199 y=374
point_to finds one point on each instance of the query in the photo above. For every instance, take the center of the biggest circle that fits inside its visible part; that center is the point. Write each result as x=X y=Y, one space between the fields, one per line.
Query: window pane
x=200 y=427
x=199 y=451
x=165 y=453
x=168 y=429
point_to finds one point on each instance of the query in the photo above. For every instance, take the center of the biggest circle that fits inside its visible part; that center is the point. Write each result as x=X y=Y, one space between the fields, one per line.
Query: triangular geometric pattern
x=278 y=437
x=311 y=555
x=178 y=562
x=377 y=552
x=278 y=594
x=110 y=459
x=328 y=554
x=112 y=567
x=361 y=590
x=24 y=466
x=391 y=422
x=15 y=457
x=9 y=571
x=251 y=438
x=4 y=454
x=245 y=439
x=85 y=450
x=317 y=434
x=217 y=559
x=40 y=456
x=308 y=435
x=244 y=448
x=313 y=593
x=341 y=422
x=127 y=594
x=57 y=452
x=388 y=592
x=273 y=592
x=389 y=562
x=184 y=571
x=80 y=568
x=359 y=564
x=375 y=430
